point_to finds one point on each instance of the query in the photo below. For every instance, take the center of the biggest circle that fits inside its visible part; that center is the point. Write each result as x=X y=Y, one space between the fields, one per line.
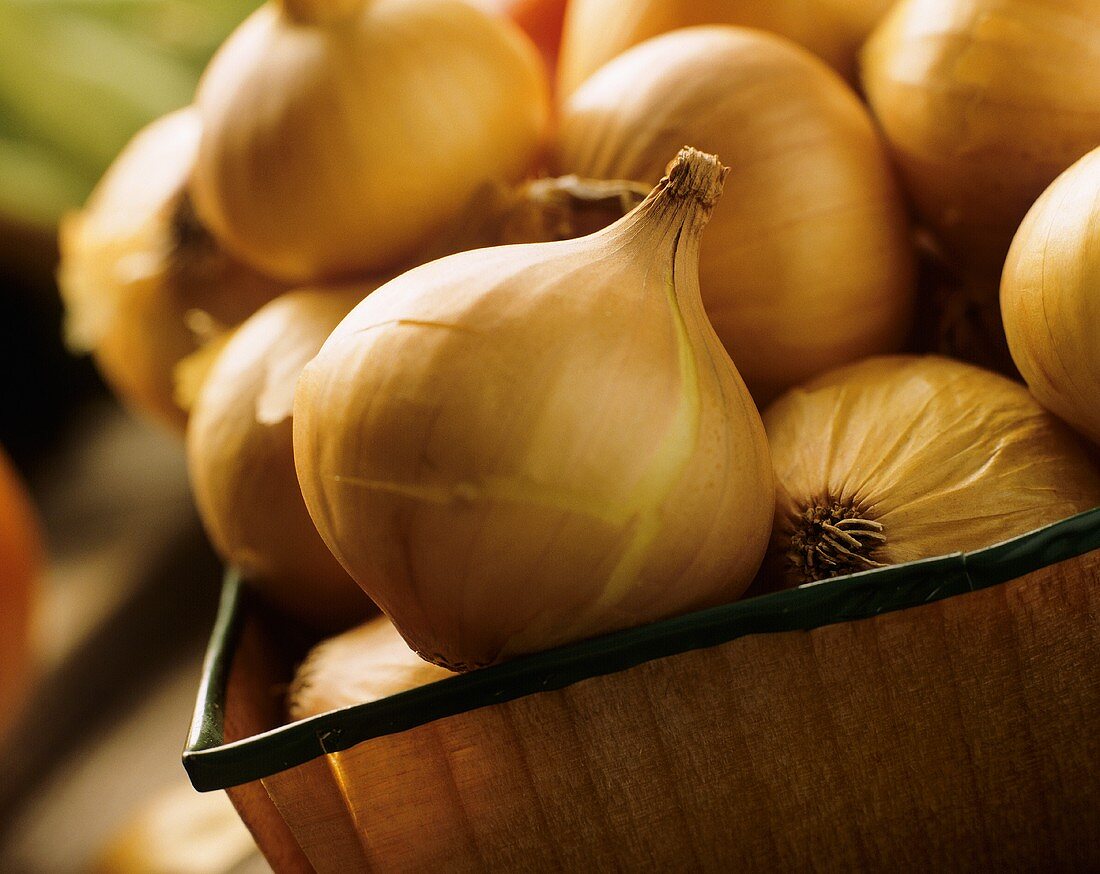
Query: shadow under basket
x=940 y=715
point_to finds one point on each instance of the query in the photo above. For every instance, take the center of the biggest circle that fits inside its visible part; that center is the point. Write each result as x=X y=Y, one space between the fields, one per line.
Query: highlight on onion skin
x=1050 y=297
x=367 y=663
x=241 y=460
x=142 y=279
x=808 y=262
x=514 y=448
x=598 y=30
x=338 y=138
x=899 y=458
x=984 y=102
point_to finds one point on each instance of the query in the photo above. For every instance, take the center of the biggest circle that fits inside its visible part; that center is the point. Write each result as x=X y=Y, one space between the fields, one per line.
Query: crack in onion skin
x=1050 y=297
x=984 y=102
x=521 y=446
x=938 y=455
x=807 y=262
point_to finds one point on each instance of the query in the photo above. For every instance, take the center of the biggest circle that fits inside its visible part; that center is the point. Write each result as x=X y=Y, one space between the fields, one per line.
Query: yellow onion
x=241 y=459
x=598 y=30
x=367 y=663
x=339 y=136
x=807 y=263
x=136 y=266
x=517 y=447
x=984 y=102
x=1050 y=297
x=899 y=458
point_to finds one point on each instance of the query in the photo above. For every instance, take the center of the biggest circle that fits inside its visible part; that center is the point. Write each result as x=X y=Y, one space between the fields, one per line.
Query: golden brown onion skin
x=807 y=262
x=367 y=663
x=1050 y=297
x=135 y=263
x=517 y=447
x=935 y=455
x=241 y=460
x=337 y=148
x=598 y=30
x=984 y=102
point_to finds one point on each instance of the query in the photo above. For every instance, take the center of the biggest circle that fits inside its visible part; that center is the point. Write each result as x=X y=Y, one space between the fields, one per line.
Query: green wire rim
x=212 y=764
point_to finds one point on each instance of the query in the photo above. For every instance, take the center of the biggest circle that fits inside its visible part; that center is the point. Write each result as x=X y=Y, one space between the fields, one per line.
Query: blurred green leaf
x=79 y=77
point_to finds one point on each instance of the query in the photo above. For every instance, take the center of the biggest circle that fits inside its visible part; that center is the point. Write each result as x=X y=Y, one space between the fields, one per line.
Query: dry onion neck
x=833 y=540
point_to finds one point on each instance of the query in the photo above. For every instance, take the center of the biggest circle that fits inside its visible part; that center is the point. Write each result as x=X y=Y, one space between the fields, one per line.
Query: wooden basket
x=942 y=715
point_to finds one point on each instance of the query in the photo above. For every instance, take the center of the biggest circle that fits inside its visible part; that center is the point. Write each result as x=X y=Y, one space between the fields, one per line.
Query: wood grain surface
x=256 y=685
x=960 y=735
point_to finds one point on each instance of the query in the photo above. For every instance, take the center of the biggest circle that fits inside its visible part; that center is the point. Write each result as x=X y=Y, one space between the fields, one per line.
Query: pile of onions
x=241 y=460
x=554 y=433
x=1050 y=297
x=365 y=664
x=333 y=129
x=517 y=447
x=984 y=102
x=598 y=30
x=895 y=459
x=142 y=280
x=20 y=566
x=807 y=263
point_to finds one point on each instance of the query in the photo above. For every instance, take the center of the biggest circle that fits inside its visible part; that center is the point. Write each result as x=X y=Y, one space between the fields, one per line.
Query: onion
x=339 y=136
x=517 y=447
x=807 y=263
x=984 y=102
x=598 y=30
x=20 y=566
x=136 y=266
x=365 y=664
x=900 y=458
x=241 y=460
x=1050 y=297
x=540 y=19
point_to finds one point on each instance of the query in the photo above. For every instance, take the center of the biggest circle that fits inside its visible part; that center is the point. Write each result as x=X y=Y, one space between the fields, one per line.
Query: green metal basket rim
x=212 y=764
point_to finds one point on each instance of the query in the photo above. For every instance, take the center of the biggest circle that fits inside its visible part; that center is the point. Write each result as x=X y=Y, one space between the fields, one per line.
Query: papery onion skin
x=807 y=262
x=135 y=263
x=598 y=30
x=367 y=663
x=20 y=567
x=540 y=19
x=241 y=460
x=517 y=447
x=984 y=102
x=338 y=149
x=933 y=455
x=1050 y=297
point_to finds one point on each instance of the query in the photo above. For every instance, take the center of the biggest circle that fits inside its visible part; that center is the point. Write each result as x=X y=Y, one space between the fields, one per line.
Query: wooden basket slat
x=959 y=734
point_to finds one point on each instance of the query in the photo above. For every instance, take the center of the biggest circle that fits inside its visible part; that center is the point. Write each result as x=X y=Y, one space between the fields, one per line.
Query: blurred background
x=90 y=774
